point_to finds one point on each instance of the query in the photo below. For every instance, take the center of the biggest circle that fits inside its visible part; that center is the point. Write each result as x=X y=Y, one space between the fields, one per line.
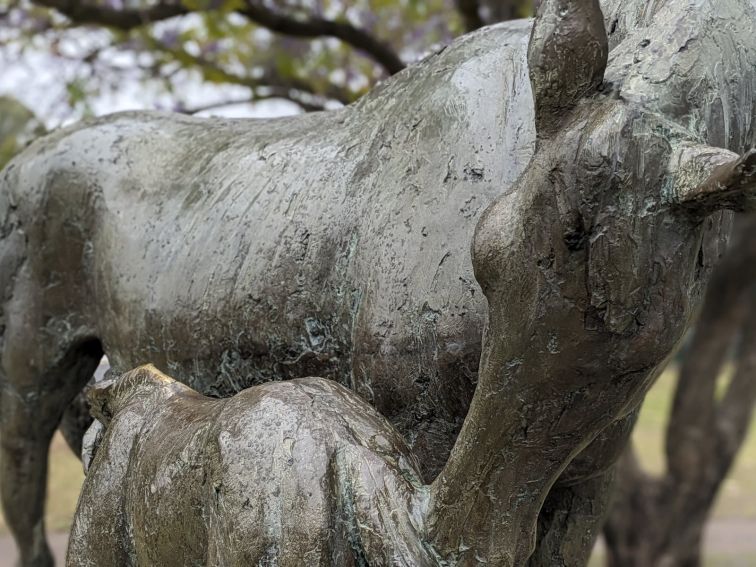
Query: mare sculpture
x=234 y=252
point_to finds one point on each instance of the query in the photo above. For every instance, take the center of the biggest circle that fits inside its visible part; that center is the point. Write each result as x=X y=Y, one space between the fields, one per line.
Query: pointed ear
x=100 y=398
x=106 y=398
x=711 y=179
x=567 y=58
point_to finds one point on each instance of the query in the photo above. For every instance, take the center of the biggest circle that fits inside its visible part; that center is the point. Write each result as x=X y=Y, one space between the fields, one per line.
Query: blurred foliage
x=316 y=53
x=18 y=127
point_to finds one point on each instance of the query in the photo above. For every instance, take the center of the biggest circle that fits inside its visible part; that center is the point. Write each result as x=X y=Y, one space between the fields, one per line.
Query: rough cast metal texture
x=296 y=473
x=233 y=252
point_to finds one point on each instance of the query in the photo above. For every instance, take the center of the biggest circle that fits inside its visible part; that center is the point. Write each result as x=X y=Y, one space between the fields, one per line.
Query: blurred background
x=686 y=488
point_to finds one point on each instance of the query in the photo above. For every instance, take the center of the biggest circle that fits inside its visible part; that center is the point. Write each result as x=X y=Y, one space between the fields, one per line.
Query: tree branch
x=293 y=89
x=691 y=442
x=703 y=434
x=320 y=27
x=124 y=20
x=736 y=408
x=333 y=92
x=274 y=93
x=128 y=19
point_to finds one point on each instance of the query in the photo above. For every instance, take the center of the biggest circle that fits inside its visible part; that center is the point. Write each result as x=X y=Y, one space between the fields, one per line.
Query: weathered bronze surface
x=234 y=252
x=295 y=473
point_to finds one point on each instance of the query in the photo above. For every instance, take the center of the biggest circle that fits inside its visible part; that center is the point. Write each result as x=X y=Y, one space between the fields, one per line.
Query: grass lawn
x=737 y=498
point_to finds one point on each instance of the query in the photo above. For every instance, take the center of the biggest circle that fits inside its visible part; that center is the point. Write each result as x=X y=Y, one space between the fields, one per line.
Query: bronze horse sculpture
x=304 y=472
x=232 y=253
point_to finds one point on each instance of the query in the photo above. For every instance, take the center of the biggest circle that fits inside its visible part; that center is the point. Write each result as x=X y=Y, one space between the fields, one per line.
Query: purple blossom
x=170 y=37
x=210 y=48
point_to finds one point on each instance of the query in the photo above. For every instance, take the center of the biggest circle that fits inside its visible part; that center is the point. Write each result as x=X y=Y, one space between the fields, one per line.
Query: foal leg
x=75 y=422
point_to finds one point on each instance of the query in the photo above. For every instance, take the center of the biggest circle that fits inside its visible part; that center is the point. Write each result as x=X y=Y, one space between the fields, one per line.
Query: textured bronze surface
x=234 y=252
x=294 y=473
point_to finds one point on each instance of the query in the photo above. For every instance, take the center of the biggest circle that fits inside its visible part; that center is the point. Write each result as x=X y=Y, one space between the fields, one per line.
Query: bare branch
x=692 y=445
x=273 y=84
x=124 y=20
x=257 y=96
x=128 y=19
x=333 y=92
x=736 y=409
x=320 y=27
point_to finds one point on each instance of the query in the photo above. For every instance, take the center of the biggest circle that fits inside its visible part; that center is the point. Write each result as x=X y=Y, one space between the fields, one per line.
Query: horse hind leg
x=77 y=418
x=75 y=422
x=39 y=383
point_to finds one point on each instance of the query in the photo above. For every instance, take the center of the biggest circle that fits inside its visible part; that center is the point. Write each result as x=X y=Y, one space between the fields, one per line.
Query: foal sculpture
x=218 y=250
x=292 y=473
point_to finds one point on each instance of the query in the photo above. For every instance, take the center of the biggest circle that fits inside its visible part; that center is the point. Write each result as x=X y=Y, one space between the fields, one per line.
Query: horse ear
x=710 y=179
x=105 y=398
x=100 y=398
x=567 y=57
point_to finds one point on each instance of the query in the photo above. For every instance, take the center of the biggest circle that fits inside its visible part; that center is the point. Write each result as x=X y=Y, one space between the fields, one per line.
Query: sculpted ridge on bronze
x=232 y=253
